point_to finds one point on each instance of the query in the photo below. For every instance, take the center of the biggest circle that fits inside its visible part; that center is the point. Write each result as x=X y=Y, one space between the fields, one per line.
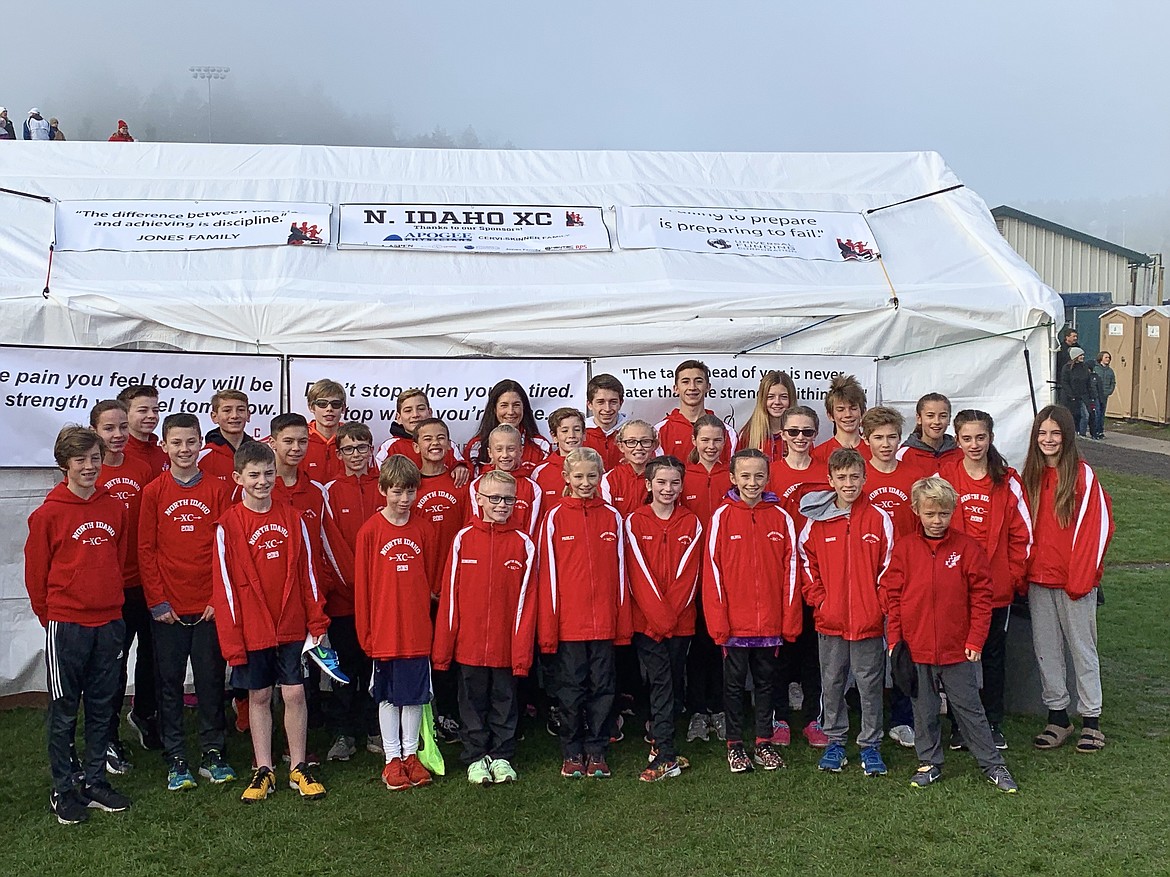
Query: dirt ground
x=1127 y=462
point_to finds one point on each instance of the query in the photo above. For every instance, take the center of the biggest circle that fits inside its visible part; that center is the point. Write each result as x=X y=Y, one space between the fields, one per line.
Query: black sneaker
x=956 y=739
x=447 y=729
x=147 y=729
x=76 y=771
x=103 y=796
x=117 y=764
x=553 y=725
x=998 y=738
x=68 y=807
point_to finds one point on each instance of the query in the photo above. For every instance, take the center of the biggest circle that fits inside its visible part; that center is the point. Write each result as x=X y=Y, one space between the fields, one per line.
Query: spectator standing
x=1107 y=383
x=55 y=130
x=7 y=132
x=122 y=135
x=1076 y=388
x=35 y=127
x=1068 y=340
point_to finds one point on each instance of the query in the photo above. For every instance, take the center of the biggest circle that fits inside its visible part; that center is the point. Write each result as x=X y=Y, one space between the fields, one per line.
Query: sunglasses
x=350 y=450
x=793 y=432
x=335 y=404
x=639 y=443
x=496 y=500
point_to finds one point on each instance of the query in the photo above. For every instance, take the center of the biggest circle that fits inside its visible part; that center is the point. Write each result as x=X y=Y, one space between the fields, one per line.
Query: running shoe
x=214 y=767
x=699 y=727
x=262 y=785
x=737 y=758
x=925 y=775
x=834 y=759
x=767 y=756
x=179 y=777
x=103 y=796
x=871 y=762
x=502 y=771
x=479 y=773
x=343 y=749
x=300 y=779
x=325 y=658
x=1002 y=780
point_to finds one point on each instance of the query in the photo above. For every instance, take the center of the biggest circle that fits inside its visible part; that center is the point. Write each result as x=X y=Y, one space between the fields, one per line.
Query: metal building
x=1072 y=262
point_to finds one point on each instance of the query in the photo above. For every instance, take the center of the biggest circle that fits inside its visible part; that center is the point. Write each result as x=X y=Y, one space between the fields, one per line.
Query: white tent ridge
x=951 y=277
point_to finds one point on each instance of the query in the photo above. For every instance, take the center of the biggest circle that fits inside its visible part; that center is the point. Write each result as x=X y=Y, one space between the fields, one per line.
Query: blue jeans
x=1098 y=419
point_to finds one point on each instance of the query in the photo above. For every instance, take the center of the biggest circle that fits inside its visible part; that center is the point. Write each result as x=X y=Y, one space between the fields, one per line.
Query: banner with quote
x=796 y=234
x=188 y=225
x=473 y=228
x=649 y=382
x=456 y=388
x=44 y=388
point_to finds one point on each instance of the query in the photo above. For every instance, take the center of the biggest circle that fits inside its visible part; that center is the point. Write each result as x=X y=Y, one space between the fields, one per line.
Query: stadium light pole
x=209 y=73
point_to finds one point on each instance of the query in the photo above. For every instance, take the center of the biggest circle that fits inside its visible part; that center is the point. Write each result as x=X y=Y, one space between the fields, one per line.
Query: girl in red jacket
x=991 y=509
x=705 y=484
x=1072 y=524
x=486 y=622
x=930 y=443
x=751 y=601
x=663 y=554
x=394 y=579
x=583 y=611
x=937 y=591
x=765 y=427
x=624 y=486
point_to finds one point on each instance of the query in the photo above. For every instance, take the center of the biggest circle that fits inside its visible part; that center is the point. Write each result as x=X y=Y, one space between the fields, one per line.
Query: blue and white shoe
x=871 y=762
x=834 y=759
x=326 y=658
x=215 y=768
x=179 y=777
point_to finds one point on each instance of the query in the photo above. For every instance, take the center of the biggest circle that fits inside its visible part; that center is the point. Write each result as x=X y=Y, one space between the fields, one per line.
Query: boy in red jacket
x=327 y=401
x=663 y=556
x=267 y=602
x=692 y=383
x=175 y=534
x=411 y=408
x=845 y=405
x=350 y=501
x=505 y=446
x=584 y=611
x=845 y=547
x=486 y=623
x=230 y=414
x=751 y=601
x=124 y=477
x=141 y=403
x=888 y=479
x=937 y=591
x=394 y=579
x=604 y=395
x=73 y=573
x=566 y=426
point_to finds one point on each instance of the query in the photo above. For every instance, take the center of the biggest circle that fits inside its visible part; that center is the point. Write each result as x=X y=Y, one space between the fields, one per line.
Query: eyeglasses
x=350 y=450
x=496 y=500
x=793 y=432
x=335 y=404
x=639 y=443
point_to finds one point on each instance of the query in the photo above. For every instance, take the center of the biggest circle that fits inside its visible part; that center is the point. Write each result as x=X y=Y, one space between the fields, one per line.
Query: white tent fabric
x=953 y=277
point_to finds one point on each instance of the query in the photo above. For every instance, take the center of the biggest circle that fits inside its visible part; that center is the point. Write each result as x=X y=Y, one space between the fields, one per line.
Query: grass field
x=1076 y=814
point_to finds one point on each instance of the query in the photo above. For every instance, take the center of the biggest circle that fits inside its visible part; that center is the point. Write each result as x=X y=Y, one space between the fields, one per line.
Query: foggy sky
x=1027 y=101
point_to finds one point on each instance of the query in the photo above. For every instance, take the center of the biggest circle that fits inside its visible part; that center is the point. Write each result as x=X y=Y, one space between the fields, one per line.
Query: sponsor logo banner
x=188 y=225
x=794 y=234
x=44 y=388
x=473 y=228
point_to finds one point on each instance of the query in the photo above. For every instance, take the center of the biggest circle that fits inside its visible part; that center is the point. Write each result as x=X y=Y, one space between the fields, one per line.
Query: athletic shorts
x=282 y=665
x=402 y=681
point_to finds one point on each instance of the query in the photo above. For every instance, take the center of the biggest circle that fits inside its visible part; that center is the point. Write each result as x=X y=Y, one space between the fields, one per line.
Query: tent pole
x=1031 y=382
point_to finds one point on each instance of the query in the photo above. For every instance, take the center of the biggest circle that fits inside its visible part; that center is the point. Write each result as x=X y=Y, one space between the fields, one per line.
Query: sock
x=411 y=722
x=389 y=723
x=1093 y=722
x=1059 y=717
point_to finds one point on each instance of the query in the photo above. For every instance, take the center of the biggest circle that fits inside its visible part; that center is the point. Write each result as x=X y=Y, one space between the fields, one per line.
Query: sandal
x=1053 y=737
x=1092 y=740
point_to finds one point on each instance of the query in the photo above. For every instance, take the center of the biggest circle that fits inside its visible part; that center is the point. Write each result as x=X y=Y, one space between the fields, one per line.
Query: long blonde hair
x=758 y=429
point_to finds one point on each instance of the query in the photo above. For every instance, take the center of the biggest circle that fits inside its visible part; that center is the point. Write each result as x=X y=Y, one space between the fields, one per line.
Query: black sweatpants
x=664 y=667
x=489 y=712
x=586 y=681
x=82 y=665
x=762 y=662
x=174 y=644
x=139 y=626
x=704 y=688
x=994 y=667
x=350 y=711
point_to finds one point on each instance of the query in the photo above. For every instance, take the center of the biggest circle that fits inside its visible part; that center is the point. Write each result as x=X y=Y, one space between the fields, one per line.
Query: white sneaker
x=342 y=749
x=903 y=735
x=795 y=696
x=374 y=744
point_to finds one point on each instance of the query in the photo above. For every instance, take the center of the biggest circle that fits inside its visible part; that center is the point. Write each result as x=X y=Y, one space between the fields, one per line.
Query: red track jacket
x=663 y=559
x=550 y=478
x=704 y=491
x=487 y=609
x=1076 y=553
x=350 y=501
x=624 y=489
x=676 y=437
x=535 y=449
x=526 y=513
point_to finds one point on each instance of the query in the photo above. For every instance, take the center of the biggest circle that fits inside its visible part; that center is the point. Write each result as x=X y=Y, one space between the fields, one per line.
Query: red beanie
x=122 y=123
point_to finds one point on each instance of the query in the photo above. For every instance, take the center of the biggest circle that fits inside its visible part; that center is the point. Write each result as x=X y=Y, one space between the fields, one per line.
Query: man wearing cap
x=7 y=132
x=35 y=127
x=1075 y=388
x=122 y=135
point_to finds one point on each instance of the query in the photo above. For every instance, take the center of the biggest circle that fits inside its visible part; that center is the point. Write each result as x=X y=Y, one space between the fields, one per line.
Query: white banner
x=189 y=225
x=44 y=388
x=797 y=234
x=649 y=382
x=473 y=228
x=457 y=388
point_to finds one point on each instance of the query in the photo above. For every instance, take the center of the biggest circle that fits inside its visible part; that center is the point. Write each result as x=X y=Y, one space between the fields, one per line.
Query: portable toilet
x=1121 y=329
x=1154 y=381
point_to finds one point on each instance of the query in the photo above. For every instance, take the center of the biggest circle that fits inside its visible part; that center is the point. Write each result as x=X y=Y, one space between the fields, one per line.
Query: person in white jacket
x=36 y=128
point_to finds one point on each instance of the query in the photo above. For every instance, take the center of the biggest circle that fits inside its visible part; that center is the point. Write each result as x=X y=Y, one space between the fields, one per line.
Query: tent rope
x=788 y=335
x=44 y=198
x=915 y=198
x=957 y=343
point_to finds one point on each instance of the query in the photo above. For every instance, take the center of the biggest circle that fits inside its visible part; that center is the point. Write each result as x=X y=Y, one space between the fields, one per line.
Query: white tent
x=946 y=277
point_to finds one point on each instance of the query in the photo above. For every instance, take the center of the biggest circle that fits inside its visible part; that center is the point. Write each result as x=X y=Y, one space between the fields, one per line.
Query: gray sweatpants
x=1059 y=622
x=961 y=683
x=867 y=659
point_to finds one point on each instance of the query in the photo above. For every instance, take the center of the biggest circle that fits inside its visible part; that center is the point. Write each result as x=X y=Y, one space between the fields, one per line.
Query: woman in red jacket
x=663 y=553
x=1072 y=524
x=991 y=509
x=508 y=403
x=583 y=611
